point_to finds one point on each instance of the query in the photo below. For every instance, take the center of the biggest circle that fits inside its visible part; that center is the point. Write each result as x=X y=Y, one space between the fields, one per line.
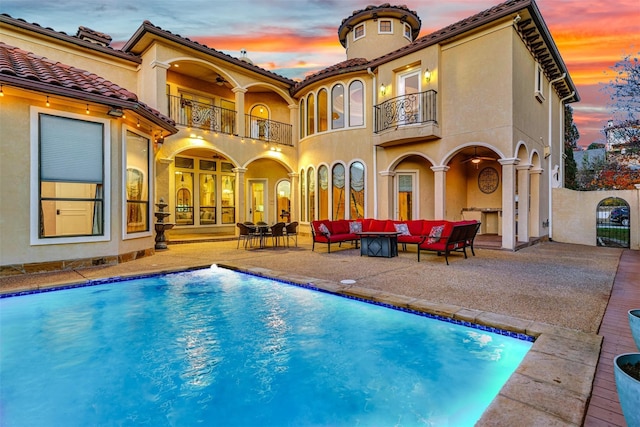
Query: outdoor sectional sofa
x=439 y=236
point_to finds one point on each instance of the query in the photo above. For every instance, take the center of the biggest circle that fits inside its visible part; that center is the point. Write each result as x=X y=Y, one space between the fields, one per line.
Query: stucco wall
x=574 y=215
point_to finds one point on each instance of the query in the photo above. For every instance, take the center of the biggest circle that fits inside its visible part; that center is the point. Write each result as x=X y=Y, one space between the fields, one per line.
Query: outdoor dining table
x=261 y=231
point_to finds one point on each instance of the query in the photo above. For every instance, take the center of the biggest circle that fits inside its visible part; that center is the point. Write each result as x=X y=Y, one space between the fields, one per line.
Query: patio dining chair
x=246 y=234
x=277 y=232
x=291 y=232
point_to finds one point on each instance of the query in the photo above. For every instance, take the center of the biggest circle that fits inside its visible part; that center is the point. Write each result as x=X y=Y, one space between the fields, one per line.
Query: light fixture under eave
x=47 y=103
x=116 y=112
x=427 y=75
x=1 y=91
x=383 y=89
x=87 y=110
x=138 y=124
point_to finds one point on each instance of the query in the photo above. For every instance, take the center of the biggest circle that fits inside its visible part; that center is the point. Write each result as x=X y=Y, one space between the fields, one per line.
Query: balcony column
x=240 y=195
x=294 y=119
x=387 y=192
x=294 y=210
x=240 y=91
x=162 y=183
x=523 y=202
x=534 y=208
x=440 y=191
x=154 y=90
x=509 y=202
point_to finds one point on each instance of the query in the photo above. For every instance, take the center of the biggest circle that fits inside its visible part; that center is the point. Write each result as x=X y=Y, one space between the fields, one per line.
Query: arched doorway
x=613 y=223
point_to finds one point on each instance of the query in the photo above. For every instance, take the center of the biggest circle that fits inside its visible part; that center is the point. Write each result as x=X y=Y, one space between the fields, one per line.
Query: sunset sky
x=297 y=37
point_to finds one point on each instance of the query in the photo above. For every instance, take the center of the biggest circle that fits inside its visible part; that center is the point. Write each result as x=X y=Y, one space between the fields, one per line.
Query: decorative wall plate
x=488 y=180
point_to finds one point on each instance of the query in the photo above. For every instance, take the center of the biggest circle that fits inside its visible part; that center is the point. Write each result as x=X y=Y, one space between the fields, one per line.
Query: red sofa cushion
x=415 y=227
x=378 y=225
x=340 y=226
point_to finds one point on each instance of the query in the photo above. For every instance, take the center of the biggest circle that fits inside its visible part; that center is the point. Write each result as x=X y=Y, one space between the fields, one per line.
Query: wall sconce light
x=47 y=103
x=87 y=111
x=427 y=75
x=138 y=124
x=383 y=89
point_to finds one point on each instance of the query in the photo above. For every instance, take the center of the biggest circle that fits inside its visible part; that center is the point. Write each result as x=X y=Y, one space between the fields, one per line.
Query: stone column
x=295 y=204
x=294 y=119
x=440 y=191
x=509 y=202
x=534 y=208
x=386 y=190
x=156 y=94
x=162 y=185
x=523 y=202
x=239 y=91
x=241 y=197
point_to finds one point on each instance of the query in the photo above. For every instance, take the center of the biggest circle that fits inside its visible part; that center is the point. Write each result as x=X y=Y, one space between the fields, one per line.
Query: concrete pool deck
x=555 y=292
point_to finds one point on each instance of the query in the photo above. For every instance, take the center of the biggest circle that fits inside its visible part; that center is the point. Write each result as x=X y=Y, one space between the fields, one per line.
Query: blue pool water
x=217 y=347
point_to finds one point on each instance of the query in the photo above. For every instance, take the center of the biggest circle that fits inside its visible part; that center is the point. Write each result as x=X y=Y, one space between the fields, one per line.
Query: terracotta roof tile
x=30 y=71
x=354 y=64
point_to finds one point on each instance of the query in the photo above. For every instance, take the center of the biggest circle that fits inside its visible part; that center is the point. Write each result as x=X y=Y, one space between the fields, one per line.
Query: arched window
x=303 y=118
x=356 y=190
x=311 y=191
x=337 y=181
x=323 y=192
x=303 y=196
x=337 y=107
x=322 y=110
x=356 y=93
x=311 y=111
x=283 y=194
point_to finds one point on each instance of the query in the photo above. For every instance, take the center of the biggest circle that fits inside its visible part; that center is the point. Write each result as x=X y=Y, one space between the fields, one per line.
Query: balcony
x=268 y=130
x=406 y=118
x=194 y=114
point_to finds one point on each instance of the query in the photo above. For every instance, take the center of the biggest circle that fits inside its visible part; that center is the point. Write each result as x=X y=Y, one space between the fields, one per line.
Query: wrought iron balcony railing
x=187 y=112
x=268 y=130
x=406 y=110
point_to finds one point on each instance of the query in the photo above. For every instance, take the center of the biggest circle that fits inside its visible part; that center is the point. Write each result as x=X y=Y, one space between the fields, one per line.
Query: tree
x=571 y=136
x=624 y=91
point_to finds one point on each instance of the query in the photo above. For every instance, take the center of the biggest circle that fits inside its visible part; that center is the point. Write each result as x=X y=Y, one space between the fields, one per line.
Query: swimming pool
x=220 y=347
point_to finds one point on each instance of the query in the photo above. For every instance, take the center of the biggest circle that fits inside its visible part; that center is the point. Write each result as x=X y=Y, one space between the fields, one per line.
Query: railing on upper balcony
x=268 y=130
x=406 y=110
x=187 y=112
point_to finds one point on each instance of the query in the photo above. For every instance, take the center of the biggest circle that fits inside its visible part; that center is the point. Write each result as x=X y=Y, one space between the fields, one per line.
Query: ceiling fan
x=475 y=159
x=220 y=80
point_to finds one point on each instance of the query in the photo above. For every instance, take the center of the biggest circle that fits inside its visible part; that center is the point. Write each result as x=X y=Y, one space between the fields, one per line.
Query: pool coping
x=551 y=387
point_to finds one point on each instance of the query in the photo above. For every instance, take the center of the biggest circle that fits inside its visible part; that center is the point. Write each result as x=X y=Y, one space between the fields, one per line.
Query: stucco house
x=465 y=122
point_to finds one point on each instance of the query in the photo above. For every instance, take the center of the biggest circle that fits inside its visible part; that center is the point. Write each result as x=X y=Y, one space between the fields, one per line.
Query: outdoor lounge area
x=439 y=236
x=565 y=380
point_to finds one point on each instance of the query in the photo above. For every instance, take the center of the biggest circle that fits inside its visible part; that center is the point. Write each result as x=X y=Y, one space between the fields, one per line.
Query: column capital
x=440 y=168
x=239 y=90
x=165 y=160
x=536 y=171
x=294 y=107
x=525 y=166
x=158 y=64
x=387 y=173
x=509 y=162
x=293 y=174
x=239 y=170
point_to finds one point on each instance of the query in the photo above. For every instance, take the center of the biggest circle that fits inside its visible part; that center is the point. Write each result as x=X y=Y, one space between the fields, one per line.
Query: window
x=384 y=27
x=311 y=117
x=407 y=31
x=283 y=191
x=71 y=166
x=207 y=192
x=356 y=189
x=323 y=192
x=228 y=199
x=311 y=192
x=303 y=118
x=322 y=110
x=337 y=107
x=358 y=32
x=539 y=94
x=356 y=92
x=337 y=181
x=303 y=196
x=137 y=182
